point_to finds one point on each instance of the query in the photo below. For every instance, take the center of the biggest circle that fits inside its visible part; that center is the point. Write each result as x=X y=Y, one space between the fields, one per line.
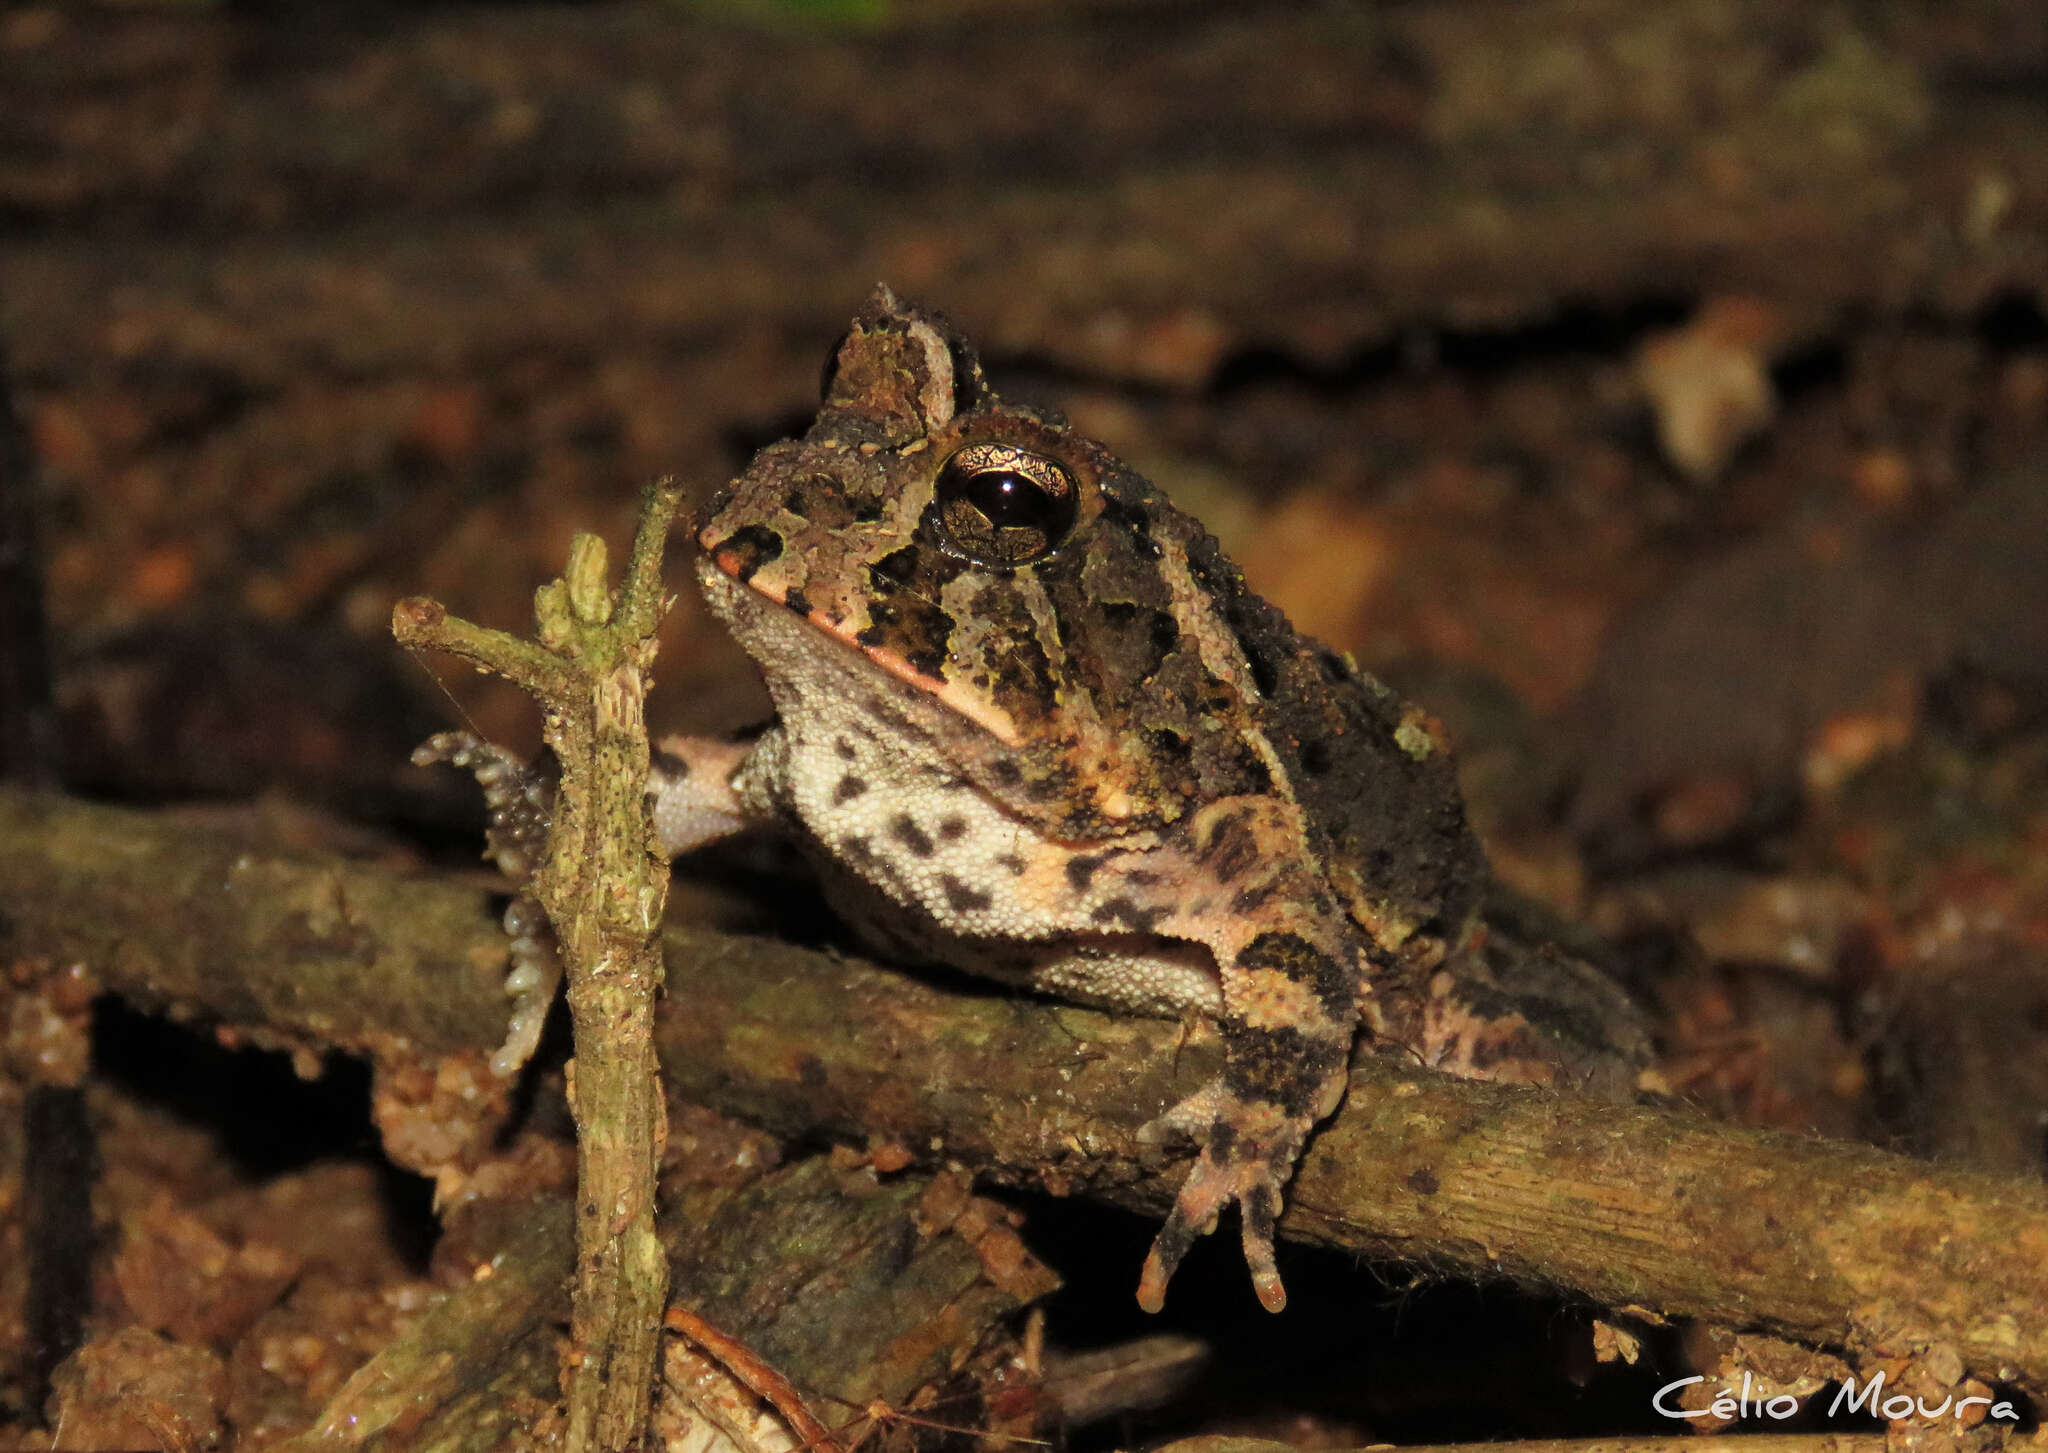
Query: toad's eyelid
x=988 y=456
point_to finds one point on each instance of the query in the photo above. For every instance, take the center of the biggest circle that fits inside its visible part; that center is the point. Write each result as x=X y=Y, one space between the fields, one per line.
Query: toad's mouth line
x=728 y=595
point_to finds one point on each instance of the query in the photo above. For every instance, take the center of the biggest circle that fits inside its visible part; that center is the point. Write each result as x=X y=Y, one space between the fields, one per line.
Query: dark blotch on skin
x=1232 y=848
x=911 y=836
x=1165 y=633
x=903 y=611
x=1052 y=785
x=1283 y=1067
x=1265 y=672
x=1423 y=1182
x=961 y=897
x=1137 y=524
x=1021 y=677
x=1495 y=1046
x=897 y=566
x=925 y=635
x=820 y=498
x=1249 y=900
x=1081 y=869
x=1334 y=984
x=753 y=546
x=884 y=718
x=1261 y=1210
x=845 y=750
x=797 y=601
x=952 y=829
x=1011 y=864
x=1170 y=744
x=1134 y=641
x=849 y=788
x=1126 y=914
x=1223 y=1141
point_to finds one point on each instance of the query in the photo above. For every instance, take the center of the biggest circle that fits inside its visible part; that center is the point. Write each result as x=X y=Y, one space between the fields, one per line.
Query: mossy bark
x=603 y=882
x=1820 y=1241
x=845 y=1287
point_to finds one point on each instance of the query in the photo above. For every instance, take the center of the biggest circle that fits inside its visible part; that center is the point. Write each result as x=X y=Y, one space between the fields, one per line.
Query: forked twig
x=603 y=880
x=758 y=1377
x=766 y=1383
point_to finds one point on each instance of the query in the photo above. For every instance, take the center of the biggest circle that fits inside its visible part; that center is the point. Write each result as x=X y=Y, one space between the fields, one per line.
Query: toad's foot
x=531 y=982
x=1248 y=1152
x=519 y=802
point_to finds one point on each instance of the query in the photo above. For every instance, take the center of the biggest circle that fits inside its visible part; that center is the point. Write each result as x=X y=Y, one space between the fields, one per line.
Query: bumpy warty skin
x=1031 y=722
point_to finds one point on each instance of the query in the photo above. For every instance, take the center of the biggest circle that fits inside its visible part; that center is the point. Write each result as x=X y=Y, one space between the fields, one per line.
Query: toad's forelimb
x=518 y=803
x=1293 y=973
x=1224 y=917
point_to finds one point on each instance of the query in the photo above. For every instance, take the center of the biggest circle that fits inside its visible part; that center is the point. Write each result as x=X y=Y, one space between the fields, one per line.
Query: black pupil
x=1010 y=499
x=1002 y=505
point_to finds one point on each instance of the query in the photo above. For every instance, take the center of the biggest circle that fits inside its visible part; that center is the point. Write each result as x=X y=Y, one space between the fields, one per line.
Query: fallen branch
x=461 y=1345
x=855 y=1290
x=1819 y=1241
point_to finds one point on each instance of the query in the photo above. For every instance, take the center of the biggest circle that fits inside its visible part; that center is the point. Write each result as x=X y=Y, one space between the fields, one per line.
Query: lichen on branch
x=603 y=880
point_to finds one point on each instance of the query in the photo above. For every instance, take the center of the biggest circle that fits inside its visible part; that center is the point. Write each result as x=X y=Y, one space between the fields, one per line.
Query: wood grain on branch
x=603 y=880
x=1819 y=1241
x=854 y=1290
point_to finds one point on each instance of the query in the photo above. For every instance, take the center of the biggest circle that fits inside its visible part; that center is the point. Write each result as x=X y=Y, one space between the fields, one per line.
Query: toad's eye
x=1001 y=505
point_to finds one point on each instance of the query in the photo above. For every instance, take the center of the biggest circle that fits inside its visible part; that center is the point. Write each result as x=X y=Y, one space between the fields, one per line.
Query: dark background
x=1659 y=393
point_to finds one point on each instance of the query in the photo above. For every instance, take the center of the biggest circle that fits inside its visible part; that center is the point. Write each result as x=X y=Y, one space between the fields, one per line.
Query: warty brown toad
x=1032 y=723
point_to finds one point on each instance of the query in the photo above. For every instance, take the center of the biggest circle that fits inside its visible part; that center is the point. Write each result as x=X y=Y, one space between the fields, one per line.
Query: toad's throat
x=733 y=595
